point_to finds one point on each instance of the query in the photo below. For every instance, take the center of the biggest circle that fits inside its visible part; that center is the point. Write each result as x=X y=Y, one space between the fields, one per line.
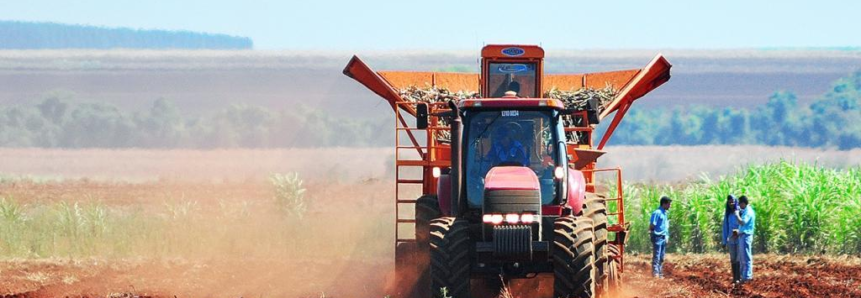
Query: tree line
x=833 y=120
x=30 y=35
x=56 y=122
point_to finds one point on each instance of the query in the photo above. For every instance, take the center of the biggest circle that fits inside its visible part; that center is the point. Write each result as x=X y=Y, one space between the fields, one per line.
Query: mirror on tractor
x=422 y=116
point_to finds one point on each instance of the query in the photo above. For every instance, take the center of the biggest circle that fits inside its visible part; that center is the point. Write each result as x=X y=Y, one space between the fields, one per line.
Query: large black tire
x=614 y=275
x=595 y=208
x=573 y=258
x=449 y=253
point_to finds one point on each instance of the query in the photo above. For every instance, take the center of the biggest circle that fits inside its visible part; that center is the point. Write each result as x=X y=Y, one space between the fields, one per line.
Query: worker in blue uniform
x=746 y=218
x=729 y=235
x=659 y=230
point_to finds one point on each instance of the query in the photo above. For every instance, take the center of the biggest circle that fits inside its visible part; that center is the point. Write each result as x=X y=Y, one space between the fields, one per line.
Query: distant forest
x=57 y=121
x=29 y=35
x=831 y=121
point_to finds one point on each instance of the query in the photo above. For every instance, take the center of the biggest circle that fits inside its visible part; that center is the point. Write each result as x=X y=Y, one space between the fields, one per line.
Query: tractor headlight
x=511 y=218
x=527 y=218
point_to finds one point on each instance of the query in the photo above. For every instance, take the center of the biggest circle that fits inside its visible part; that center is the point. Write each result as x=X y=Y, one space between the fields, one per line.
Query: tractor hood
x=511 y=178
x=511 y=190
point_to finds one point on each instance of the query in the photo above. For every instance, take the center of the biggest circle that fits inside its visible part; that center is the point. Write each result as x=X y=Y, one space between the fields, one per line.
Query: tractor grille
x=513 y=242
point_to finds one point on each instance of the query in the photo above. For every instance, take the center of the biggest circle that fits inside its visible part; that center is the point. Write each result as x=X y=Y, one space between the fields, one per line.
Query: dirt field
x=201 y=224
x=687 y=276
x=350 y=257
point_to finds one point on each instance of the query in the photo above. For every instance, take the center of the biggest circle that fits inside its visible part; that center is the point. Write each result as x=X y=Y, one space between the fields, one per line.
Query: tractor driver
x=506 y=151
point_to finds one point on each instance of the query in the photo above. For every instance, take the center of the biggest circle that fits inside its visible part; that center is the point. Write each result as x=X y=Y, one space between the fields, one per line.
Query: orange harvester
x=505 y=193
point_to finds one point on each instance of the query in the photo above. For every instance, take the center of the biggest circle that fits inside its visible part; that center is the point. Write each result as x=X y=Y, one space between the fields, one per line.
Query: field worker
x=729 y=237
x=746 y=218
x=659 y=228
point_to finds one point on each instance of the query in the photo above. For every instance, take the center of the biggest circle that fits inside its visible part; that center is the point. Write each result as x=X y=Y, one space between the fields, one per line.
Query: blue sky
x=466 y=25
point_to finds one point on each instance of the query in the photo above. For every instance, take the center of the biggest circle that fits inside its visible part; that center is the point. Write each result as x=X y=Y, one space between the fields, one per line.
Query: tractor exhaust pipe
x=455 y=174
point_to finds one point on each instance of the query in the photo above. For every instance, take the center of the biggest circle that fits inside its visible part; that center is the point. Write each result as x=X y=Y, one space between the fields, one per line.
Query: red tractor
x=508 y=193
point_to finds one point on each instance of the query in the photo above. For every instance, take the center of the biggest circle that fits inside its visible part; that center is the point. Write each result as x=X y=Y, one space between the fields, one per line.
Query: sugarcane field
x=430 y=150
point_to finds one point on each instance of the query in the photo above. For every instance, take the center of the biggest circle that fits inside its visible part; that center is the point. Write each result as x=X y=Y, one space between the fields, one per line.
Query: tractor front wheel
x=449 y=254
x=573 y=258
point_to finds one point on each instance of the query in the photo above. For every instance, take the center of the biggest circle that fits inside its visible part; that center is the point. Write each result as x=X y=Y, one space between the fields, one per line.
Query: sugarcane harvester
x=508 y=176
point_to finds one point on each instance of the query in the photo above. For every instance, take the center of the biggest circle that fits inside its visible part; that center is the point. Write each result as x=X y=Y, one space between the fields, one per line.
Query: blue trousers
x=733 y=252
x=745 y=256
x=659 y=249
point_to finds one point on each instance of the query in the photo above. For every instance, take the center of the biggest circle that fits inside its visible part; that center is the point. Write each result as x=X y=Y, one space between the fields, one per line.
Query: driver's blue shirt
x=515 y=152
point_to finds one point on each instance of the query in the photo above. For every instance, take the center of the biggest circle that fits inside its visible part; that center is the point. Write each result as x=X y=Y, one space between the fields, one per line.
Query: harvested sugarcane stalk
x=574 y=99
x=434 y=95
x=578 y=100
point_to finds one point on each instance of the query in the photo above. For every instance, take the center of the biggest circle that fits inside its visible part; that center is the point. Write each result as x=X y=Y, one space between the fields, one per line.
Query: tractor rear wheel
x=595 y=208
x=449 y=252
x=573 y=257
x=427 y=209
x=614 y=275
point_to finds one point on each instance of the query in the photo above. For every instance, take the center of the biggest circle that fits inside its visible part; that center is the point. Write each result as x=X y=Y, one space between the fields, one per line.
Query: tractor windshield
x=509 y=138
x=517 y=77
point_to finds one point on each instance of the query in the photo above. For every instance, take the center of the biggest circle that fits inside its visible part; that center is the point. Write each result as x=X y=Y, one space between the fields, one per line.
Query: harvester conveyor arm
x=655 y=74
x=359 y=71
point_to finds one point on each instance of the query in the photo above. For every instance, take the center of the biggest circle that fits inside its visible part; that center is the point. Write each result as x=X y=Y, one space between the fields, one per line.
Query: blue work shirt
x=748 y=220
x=661 y=222
x=729 y=223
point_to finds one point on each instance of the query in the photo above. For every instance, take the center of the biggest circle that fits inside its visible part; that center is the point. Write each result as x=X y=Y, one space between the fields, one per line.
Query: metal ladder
x=420 y=161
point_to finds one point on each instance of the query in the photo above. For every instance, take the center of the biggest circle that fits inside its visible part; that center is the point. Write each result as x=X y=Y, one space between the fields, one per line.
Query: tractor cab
x=513 y=126
x=513 y=132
